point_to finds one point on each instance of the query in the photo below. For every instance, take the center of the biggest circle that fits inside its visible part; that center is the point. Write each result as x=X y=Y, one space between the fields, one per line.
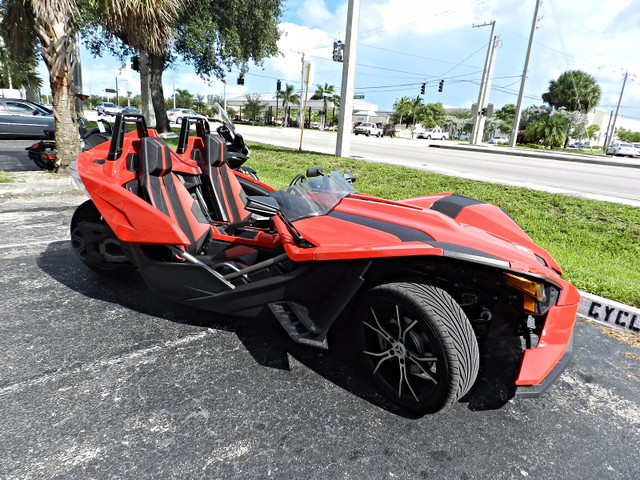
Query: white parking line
x=33 y=244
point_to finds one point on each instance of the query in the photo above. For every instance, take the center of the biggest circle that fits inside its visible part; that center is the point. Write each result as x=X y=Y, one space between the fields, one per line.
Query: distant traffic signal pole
x=343 y=143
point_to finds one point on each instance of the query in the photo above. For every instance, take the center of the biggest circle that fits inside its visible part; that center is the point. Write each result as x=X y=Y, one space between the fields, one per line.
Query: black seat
x=223 y=192
x=168 y=194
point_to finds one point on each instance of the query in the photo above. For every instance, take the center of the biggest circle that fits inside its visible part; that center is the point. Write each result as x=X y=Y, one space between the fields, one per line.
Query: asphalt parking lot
x=102 y=379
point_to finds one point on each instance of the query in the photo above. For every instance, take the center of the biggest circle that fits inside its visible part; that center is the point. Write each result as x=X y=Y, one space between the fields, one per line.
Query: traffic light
x=440 y=85
x=241 y=79
x=135 y=63
x=422 y=88
x=279 y=85
x=338 y=51
x=484 y=111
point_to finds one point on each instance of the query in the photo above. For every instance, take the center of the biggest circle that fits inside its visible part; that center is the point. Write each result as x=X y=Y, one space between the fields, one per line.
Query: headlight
x=537 y=297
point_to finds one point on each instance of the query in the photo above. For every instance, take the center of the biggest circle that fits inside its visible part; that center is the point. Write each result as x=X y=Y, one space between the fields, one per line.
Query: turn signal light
x=529 y=287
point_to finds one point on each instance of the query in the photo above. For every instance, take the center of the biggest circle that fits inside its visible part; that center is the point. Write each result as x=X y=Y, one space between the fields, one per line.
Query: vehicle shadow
x=263 y=338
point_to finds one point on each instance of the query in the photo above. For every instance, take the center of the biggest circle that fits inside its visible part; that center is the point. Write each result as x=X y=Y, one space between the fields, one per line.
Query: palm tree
x=288 y=96
x=148 y=27
x=403 y=108
x=49 y=26
x=551 y=130
x=413 y=105
x=325 y=93
x=575 y=90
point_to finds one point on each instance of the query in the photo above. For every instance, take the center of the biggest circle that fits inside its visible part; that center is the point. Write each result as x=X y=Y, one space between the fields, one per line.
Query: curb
x=545 y=155
x=609 y=313
x=37 y=182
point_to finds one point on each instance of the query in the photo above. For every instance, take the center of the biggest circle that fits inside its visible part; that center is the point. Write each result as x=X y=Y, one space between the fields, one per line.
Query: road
x=599 y=182
x=103 y=379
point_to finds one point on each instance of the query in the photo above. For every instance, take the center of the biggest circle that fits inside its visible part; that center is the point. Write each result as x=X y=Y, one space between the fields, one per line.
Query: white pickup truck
x=435 y=133
x=367 y=128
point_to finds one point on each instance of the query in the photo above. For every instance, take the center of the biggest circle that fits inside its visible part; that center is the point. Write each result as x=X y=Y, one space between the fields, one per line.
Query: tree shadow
x=263 y=337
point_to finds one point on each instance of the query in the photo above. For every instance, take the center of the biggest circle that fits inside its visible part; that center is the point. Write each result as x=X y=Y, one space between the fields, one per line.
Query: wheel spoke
x=380 y=330
x=404 y=378
x=424 y=374
x=404 y=334
x=382 y=360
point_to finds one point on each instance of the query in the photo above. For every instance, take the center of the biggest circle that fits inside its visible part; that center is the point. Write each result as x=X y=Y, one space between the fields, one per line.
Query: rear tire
x=417 y=345
x=95 y=243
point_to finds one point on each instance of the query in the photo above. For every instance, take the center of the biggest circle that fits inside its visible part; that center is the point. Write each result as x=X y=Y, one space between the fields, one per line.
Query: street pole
x=307 y=77
x=481 y=92
x=343 y=143
x=615 y=117
x=516 y=119
x=606 y=133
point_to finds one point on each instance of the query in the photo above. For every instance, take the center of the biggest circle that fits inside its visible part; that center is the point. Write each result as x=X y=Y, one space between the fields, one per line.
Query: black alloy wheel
x=417 y=345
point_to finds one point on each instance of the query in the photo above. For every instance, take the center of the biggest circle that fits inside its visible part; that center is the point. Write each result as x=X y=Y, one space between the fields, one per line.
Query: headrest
x=216 y=149
x=155 y=157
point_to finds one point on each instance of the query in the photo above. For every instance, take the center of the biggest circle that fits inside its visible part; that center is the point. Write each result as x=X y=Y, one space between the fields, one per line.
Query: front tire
x=417 y=345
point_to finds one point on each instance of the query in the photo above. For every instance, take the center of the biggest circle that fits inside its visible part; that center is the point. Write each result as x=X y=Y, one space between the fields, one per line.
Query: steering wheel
x=297 y=179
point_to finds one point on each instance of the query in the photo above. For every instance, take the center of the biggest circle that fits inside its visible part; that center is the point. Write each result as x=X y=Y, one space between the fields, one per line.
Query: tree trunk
x=157 y=92
x=145 y=90
x=67 y=136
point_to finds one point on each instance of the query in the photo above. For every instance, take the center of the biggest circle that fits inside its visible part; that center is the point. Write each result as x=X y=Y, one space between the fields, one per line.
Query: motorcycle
x=423 y=281
x=43 y=153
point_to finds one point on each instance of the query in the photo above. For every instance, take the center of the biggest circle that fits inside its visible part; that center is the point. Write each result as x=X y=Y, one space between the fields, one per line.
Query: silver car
x=22 y=118
x=108 y=108
x=622 y=149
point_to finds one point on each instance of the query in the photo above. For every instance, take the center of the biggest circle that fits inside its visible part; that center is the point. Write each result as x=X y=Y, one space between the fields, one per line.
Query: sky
x=403 y=43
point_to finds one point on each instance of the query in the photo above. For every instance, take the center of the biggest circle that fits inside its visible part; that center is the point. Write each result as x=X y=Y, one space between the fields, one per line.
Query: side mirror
x=349 y=177
x=262 y=205
x=314 y=172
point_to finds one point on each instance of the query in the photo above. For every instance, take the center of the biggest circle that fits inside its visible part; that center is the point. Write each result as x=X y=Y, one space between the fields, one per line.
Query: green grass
x=596 y=243
x=5 y=178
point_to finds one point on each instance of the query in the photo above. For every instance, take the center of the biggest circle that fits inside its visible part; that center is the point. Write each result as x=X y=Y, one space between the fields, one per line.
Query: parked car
x=622 y=150
x=498 y=140
x=637 y=147
x=464 y=136
x=368 y=129
x=131 y=110
x=435 y=133
x=25 y=119
x=176 y=114
x=108 y=108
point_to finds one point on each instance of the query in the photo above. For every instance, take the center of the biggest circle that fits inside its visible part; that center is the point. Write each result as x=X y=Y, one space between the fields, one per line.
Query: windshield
x=314 y=197
x=223 y=117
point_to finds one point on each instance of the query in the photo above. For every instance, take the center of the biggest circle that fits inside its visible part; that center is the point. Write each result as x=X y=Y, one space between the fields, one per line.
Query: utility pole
x=343 y=143
x=516 y=119
x=615 y=117
x=301 y=111
x=483 y=93
x=308 y=73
